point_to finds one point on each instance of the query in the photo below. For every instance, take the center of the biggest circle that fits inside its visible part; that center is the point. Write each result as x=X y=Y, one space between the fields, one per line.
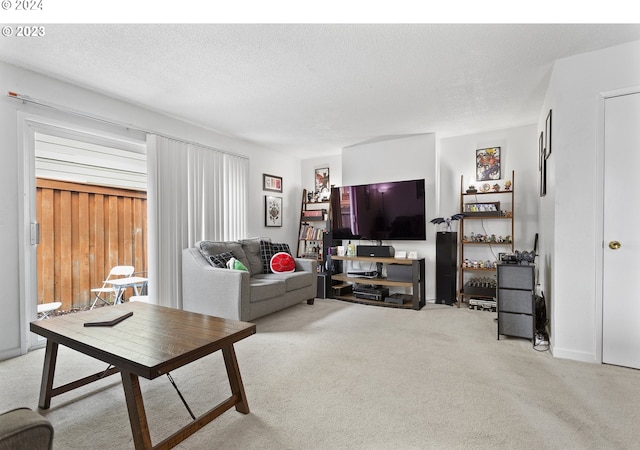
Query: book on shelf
x=314 y=213
x=311 y=233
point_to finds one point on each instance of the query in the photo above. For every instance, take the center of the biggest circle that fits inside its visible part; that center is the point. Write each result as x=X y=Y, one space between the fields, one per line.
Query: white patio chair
x=106 y=291
x=44 y=309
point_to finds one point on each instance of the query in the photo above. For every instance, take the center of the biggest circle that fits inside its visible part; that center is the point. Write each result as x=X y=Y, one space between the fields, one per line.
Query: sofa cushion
x=267 y=250
x=282 y=262
x=251 y=249
x=220 y=260
x=264 y=288
x=292 y=281
x=211 y=248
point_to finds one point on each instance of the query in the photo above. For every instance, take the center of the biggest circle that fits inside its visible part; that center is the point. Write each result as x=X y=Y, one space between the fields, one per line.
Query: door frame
x=600 y=209
x=64 y=125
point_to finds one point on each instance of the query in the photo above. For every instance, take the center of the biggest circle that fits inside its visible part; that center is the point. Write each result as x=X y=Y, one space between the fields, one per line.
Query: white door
x=621 y=263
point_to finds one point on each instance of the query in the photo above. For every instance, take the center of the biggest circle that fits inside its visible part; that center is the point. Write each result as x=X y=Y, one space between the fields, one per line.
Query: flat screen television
x=379 y=211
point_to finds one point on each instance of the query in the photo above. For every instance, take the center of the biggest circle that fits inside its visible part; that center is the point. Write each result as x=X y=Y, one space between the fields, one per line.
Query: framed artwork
x=271 y=183
x=322 y=179
x=542 y=165
x=272 y=211
x=540 y=150
x=488 y=164
x=547 y=136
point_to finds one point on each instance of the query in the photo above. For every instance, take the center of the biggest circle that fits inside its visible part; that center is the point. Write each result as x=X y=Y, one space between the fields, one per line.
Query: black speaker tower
x=446 y=267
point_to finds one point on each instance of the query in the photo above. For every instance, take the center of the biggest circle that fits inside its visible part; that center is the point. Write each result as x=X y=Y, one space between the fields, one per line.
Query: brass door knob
x=614 y=245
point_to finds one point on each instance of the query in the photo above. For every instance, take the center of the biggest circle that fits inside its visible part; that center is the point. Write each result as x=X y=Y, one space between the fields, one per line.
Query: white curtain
x=194 y=193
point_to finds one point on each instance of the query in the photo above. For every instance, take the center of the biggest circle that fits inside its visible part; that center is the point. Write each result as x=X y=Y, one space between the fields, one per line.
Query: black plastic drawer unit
x=515 y=301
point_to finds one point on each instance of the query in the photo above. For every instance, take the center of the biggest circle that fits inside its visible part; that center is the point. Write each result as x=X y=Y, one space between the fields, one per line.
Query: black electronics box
x=324 y=285
x=341 y=289
x=371 y=293
x=399 y=299
x=399 y=272
x=379 y=251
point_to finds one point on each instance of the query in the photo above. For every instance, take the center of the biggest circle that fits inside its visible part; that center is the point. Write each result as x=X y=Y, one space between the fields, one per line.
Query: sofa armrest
x=306 y=265
x=211 y=290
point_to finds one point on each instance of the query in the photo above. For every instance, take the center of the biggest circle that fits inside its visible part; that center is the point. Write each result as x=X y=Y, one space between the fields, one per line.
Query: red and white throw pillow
x=282 y=262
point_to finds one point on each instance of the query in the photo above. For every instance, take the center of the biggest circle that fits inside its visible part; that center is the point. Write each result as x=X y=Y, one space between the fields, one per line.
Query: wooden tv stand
x=417 y=283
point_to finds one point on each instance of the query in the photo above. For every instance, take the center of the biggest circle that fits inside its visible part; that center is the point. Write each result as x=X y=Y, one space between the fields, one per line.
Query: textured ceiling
x=314 y=89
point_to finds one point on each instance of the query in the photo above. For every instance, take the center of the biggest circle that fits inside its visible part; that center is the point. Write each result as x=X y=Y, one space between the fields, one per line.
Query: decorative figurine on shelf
x=472 y=189
x=507 y=185
x=324 y=195
x=447 y=220
x=496 y=187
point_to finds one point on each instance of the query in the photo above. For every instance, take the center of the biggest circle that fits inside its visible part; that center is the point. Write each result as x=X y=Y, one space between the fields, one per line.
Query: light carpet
x=339 y=375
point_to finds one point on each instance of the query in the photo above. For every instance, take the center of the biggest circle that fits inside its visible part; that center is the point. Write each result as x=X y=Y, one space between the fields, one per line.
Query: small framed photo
x=488 y=164
x=540 y=150
x=547 y=136
x=272 y=211
x=542 y=165
x=271 y=183
x=322 y=180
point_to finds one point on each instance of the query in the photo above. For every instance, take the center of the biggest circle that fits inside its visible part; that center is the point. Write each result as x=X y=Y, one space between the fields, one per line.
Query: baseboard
x=10 y=353
x=564 y=353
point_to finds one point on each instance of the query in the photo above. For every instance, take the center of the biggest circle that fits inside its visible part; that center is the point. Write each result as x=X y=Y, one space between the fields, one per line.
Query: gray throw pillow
x=210 y=248
x=251 y=247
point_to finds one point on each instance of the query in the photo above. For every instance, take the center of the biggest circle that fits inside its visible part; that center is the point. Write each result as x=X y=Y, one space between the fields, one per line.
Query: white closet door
x=621 y=264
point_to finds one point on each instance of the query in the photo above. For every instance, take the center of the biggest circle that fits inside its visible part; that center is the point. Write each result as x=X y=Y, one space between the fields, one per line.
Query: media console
x=368 y=295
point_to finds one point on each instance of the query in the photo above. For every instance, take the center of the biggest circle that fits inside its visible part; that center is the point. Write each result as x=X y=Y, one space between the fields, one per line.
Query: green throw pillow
x=236 y=264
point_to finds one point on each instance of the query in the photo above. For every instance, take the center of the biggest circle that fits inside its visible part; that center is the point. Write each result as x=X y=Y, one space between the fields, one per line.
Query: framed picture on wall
x=322 y=180
x=542 y=165
x=547 y=136
x=271 y=183
x=272 y=211
x=488 y=164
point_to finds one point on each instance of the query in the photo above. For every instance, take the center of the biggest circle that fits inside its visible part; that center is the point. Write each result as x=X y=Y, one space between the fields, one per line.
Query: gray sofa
x=238 y=294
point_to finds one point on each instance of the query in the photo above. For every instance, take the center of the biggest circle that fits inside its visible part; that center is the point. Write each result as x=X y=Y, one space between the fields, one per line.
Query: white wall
x=570 y=216
x=13 y=323
x=394 y=159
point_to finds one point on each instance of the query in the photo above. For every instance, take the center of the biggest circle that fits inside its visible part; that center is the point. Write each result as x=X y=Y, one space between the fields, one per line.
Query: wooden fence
x=84 y=231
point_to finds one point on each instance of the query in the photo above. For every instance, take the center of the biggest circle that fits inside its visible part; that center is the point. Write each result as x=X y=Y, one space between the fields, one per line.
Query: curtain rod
x=65 y=109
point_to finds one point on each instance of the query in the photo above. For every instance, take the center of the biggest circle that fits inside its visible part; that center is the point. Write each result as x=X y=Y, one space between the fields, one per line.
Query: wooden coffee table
x=153 y=341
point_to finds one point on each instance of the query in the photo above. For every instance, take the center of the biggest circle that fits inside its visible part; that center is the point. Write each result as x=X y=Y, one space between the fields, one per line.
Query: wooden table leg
x=135 y=406
x=233 y=372
x=48 y=371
